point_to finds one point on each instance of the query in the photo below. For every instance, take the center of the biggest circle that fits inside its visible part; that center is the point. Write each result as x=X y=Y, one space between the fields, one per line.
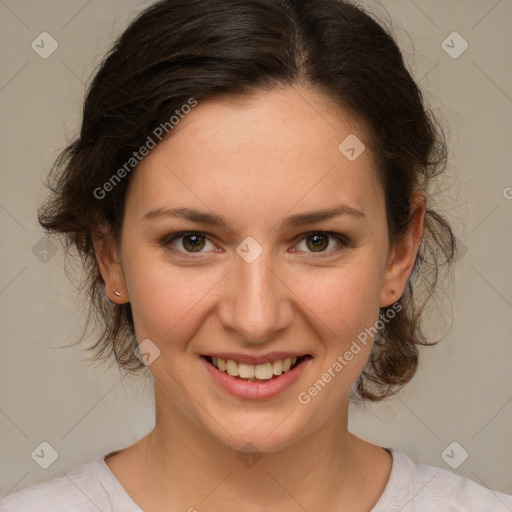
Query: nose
x=256 y=304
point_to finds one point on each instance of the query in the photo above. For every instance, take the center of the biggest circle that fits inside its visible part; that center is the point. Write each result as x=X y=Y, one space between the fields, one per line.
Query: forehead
x=275 y=148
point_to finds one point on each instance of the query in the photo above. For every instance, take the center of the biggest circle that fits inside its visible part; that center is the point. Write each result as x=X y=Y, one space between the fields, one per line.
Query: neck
x=185 y=465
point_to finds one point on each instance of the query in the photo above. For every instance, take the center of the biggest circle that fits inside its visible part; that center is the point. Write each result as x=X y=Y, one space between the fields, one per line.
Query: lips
x=254 y=387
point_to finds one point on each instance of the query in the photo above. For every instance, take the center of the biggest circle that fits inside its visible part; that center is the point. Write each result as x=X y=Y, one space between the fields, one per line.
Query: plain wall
x=463 y=390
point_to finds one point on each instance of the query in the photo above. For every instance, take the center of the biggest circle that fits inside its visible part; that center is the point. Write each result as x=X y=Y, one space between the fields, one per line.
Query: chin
x=258 y=433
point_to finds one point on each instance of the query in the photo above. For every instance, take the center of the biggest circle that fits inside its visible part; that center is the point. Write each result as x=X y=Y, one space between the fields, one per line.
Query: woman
x=249 y=192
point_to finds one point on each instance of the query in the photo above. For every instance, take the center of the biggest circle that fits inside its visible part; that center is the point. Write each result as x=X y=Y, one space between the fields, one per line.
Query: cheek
x=345 y=307
x=165 y=299
x=345 y=300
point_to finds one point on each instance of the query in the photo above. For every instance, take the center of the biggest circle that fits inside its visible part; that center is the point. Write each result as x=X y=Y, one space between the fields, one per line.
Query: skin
x=256 y=161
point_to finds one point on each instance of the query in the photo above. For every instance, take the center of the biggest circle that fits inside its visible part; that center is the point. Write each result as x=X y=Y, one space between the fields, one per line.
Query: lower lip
x=256 y=390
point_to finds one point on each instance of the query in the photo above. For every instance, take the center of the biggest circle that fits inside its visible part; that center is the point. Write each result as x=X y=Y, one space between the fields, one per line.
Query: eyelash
x=167 y=241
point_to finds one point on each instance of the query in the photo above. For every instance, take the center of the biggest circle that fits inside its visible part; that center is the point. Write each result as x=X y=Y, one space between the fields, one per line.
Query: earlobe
x=110 y=268
x=403 y=255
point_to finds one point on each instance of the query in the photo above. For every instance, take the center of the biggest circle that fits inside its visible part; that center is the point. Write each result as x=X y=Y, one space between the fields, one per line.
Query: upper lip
x=247 y=359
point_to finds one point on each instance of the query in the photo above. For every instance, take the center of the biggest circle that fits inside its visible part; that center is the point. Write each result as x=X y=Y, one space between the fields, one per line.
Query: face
x=249 y=236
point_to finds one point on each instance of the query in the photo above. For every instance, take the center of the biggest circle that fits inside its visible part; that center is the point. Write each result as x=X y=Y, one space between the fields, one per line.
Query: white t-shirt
x=411 y=488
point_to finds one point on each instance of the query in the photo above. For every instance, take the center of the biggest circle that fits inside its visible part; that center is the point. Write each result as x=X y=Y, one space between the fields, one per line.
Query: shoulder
x=77 y=490
x=418 y=487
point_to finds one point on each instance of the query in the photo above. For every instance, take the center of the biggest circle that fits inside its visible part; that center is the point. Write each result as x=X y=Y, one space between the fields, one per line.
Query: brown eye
x=323 y=243
x=194 y=242
x=317 y=242
x=187 y=243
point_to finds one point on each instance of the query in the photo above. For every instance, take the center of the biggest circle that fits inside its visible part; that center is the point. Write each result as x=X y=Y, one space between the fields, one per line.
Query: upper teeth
x=250 y=371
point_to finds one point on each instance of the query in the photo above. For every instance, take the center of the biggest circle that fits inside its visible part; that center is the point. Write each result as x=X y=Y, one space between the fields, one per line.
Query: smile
x=255 y=372
x=265 y=378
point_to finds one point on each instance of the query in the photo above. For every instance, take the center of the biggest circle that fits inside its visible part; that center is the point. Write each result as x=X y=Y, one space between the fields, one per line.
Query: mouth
x=263 y=372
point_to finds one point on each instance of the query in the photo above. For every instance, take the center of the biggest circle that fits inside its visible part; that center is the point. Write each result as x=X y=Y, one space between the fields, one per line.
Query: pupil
x=319 y=241
x=194 y=242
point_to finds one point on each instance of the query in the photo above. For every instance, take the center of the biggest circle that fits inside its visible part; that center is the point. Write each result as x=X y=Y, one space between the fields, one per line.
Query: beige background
x=463 y=391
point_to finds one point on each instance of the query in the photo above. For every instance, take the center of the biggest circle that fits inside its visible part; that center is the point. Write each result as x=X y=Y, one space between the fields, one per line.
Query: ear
x=110 y=266
x=403 y=255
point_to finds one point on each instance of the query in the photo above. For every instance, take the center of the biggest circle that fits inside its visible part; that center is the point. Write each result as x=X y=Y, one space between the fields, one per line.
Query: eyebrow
x=212 y=219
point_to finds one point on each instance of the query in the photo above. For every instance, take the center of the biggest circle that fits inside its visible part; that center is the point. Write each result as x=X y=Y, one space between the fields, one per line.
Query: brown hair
x=181 y=49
